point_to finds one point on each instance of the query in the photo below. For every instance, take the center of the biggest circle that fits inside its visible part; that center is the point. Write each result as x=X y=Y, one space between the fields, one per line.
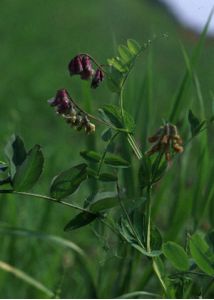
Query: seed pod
x=165 y=139
x=178 y=148
x=153 y=138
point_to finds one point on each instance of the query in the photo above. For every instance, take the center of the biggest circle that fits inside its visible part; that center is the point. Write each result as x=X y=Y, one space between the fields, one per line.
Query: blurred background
x=38 y=38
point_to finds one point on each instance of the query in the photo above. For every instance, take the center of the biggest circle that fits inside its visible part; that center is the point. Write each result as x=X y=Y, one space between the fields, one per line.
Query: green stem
x=130 y=139
x=53 y=200
x=148 y=214
x=148 y=238
x=121 y=103
x=158 y=273
x=134 y=146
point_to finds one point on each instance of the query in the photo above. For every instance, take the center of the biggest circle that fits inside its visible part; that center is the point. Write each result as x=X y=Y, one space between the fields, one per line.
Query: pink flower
x=98 y=77
x=61 y=101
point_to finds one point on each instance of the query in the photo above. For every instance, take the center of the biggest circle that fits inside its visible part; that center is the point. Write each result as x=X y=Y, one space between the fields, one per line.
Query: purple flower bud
x=75 y=66
x=98 y=77
x=88 y=71
x=61 y=102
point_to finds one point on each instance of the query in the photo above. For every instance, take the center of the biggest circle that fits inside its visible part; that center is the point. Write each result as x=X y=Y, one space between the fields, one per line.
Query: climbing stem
x=148 y=214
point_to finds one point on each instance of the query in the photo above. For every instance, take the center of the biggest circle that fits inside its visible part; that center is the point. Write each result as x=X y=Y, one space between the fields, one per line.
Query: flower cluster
x=81 y=65
x=165 y=140
x=66 y=107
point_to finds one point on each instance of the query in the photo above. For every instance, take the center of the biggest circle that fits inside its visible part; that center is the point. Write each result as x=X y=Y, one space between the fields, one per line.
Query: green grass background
x=38 y=38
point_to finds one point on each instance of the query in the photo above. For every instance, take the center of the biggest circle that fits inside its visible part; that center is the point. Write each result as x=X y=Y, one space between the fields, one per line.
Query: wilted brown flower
x=166 y=140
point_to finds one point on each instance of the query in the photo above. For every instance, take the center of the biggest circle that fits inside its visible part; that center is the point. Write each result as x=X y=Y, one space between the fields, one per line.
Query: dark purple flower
x=98 y=77
x=61 y=101
x=75 y=66
x=88 y=71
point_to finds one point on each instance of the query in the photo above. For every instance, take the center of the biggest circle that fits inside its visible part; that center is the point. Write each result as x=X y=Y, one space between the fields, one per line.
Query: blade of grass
x=26 y=278
x=82 y=259
x=42 y=236
x=176 y=103
x=138 y=294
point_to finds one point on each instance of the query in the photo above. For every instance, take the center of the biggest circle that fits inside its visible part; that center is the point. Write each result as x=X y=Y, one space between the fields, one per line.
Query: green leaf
x=176 y=255
x=126 y=231
x=104 y=200
x=133 y=46
x=107 y=200
x=15 y=152
x=117 y=64
x=128 y=234
x=202 y=254
x=125 y=54
x=139 y=222
x=159 y=167
x=80 y=220
x=113 y=114
x=129 y=122
x=92 y=173
x=116 y=161
x=115 y=80
x=29 y=171
x=67 y=182
x=112 y=160
x=108 y=177
x=106 y=135
x=91 y=156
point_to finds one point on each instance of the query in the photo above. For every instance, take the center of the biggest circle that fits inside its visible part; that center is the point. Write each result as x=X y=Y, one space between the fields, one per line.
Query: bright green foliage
x=121 y=65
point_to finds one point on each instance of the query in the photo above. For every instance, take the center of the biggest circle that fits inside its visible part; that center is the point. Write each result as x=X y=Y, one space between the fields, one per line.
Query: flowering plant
x=125 y=208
